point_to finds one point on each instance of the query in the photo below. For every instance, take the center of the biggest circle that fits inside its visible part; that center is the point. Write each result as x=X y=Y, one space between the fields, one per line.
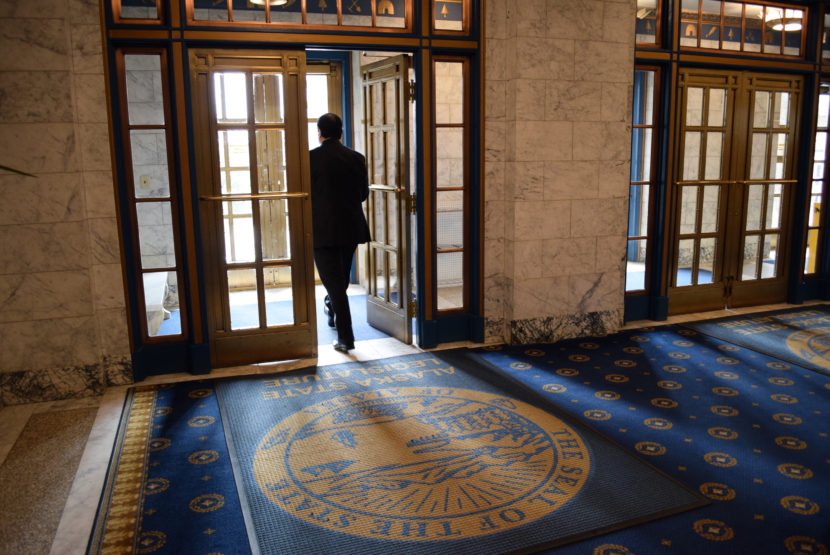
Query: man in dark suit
x=339 y=185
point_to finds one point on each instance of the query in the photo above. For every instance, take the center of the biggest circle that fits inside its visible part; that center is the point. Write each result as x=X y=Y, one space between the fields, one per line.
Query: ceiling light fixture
x=784 y=20
x=272 y=2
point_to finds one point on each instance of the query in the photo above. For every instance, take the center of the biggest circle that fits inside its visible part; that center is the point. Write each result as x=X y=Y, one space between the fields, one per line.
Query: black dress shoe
x=329 y=312
x=342 y=347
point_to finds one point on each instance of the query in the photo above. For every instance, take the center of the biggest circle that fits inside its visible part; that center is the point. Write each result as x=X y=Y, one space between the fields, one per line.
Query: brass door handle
x=386 y=188
x=256 y=196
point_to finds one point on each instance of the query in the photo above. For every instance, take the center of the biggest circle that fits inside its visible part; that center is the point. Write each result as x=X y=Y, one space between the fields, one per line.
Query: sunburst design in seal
x=713 y=530
x=799 y=505
x=441 y=466
x=797 y=471
x=812 y=345
x=716 y=491
x=802 y=545
x=611 y=549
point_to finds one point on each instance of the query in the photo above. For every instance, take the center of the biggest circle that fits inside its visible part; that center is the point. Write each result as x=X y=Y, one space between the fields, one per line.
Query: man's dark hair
x=330 y=126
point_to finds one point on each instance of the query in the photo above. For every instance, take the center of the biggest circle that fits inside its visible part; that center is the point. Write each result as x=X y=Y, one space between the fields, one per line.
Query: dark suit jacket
x=339 y=185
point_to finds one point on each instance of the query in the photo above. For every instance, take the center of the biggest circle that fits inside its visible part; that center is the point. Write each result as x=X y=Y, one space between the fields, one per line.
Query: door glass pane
x=714 y=155
x=769 y=252
x=380 y=273
x=394 y=282
x=275 y=236
x=691 y=156
x=647 y=150
x=151 y=176
x=155 y=235
x=450 y=273
x=239 y=231
x=279 y=299
x=694 y=106
x=750 y=262
x=758 y=156
x=685 y=257
x=449 y=149
x=781 y=109
x=161 y=303
x=449 y=92
x=392 y=159
x=268 y=98
x=450 y=215
x=706 y=261
x=379 y=175
x=688 y=209
x=711 y=209
x=392 y=218
x=717 y=107
x=271 y=161
x=761 y=112
x=774 y=194
x=376 y=94
x=242 y=299
x=811 y=250
x=230 y=97
x=317 y=97
x=635 y=266
x=145 y=99
x=779 y=156
x=815 y=204
x=234 y=162
x=755 y=195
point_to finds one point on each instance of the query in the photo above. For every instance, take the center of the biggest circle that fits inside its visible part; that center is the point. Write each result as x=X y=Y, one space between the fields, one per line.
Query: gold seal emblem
x=421 y=464
x=812 y=345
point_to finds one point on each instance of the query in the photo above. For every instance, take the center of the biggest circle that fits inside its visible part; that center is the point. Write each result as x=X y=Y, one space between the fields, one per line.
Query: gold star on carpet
x=759 y=517
x=209 y=531
x=665 y=542
x=206 y=478
x=150 y=511
x=202 y=438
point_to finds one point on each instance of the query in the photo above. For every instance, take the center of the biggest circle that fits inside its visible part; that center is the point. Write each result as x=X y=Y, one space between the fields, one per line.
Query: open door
x=254 y=209
x=386 y=116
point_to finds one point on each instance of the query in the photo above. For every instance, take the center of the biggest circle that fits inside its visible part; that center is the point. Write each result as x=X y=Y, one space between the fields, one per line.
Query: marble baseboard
x=567 y=326
x=73 y=382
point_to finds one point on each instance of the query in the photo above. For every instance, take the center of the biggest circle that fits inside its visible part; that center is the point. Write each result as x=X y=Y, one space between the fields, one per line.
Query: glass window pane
x=279 y=296
x=711 y=209
x=758 y=156
x=823 y=105
x=450 y=275
x=317 y=97
x=394 y=283
x=714 y=155
x=271 y=161
x=706 y=260
x=732 y=15
x=211 y=10
x=685 y=258
x=781 y=109
x=635 y=266
x=380 y=259
x=811 y=252
x=774 y=194
x=688 y=209
x=145 y=98
x=242 y=299
x=268 y=98
x=778 y=159
x=750 y=260
x=815 y=206
x=139 y=9
x=161 y=303
x=274 y=229
x=638 y=210
x=717 y=108
x=449 y=92
x=694 y=106
x=449 y=15
x=234 y=162
x=761 y=109
x=155 y=235
x=820 y=152
x=691 y=156
x=239 y=231
x=449 y=149
x=230 y=96
x=151 y=176
x=754 y=27
x=770 y=250
x=449 y=226
x=378 y=220
x=753 y=207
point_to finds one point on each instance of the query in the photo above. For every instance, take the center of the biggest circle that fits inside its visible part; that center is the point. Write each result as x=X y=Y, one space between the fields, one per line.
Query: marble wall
x=62 y=312
x=557 y=124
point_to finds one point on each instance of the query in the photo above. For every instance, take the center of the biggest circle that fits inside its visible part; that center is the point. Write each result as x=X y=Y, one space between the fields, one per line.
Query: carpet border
x=803 y=364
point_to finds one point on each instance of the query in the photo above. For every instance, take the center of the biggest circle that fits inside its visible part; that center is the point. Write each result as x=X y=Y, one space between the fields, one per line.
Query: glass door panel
x=254 y=205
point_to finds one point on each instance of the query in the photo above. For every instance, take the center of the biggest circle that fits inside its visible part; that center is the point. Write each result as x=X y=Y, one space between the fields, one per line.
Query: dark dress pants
x=334 y=264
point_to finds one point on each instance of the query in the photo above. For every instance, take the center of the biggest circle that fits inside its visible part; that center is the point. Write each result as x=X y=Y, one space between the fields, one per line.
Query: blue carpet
x=247 y=315
x=798 y=335
x=748 y=431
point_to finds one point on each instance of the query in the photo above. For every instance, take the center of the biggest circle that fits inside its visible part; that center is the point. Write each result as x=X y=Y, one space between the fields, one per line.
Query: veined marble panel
x=103 y=235
x=56 y=343
x=495 y=24
x=528 y=18
x=44 y=295
x=614 y=179
x=596 y=292
x=90 y=98
x=562 y=257
x=617 y=22
x=99 y=194
x=616 y=102
x=529 y=98
x=31 y=9
x=525 y=180
x=494 y=181
x=543 y=220
x=527 y=259
x=44 y=247
x=493 y=330
x=564 y=326
x=35 y=97
x=495 y=99
x=567 y=19
x=34 y=44
x=95 y=146
x=599 y=217
x=107 y=286
x=541 y=141
x=574 y=101
x=540 y=297
x=611 y=253
x=87 y=51
x=604 y=61
x=566 y=180
x=601 y=141
x=495 y=59
x=495 y=137
x=84 y=11
x=113 y=331
x=553 y=58
x=52 y=384
x=45 y=199
x=40 y=148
